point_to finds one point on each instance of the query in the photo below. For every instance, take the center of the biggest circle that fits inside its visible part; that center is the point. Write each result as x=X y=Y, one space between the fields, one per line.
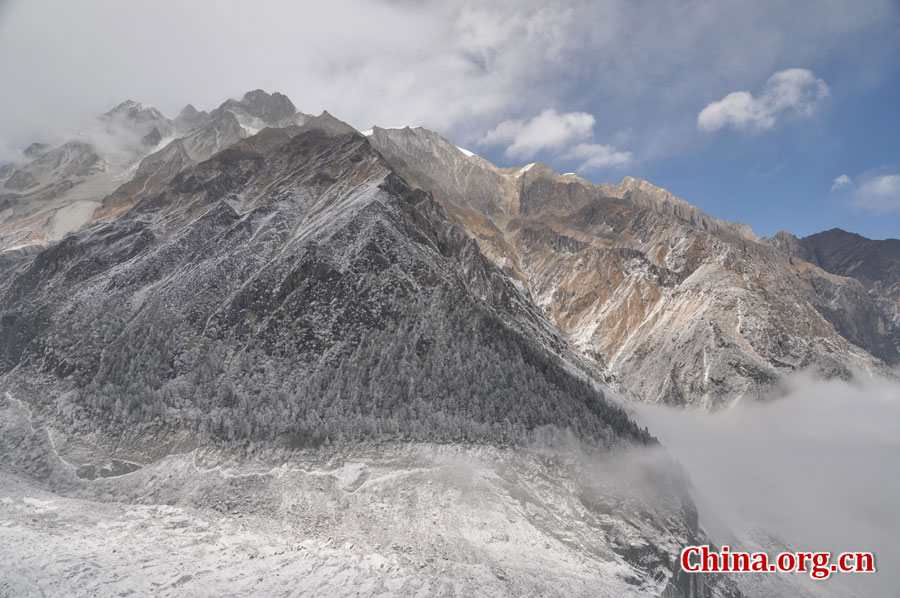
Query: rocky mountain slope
x=291 y=297
x=677 y=306
x=875 y=264
x=291 y=256
x=270 y=330
x=670 y=304
x=60 y=188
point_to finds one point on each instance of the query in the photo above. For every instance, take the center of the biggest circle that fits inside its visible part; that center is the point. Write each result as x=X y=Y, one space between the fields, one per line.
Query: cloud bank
x=795 y=91
x=815 y=469
x=459 y=68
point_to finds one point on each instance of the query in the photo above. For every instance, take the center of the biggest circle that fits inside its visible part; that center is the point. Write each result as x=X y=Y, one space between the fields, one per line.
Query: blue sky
x=782 y=178
x=796 y=94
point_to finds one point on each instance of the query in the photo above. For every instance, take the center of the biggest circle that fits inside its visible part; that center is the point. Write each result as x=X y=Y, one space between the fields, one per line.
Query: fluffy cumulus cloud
x=877 y=194
x=563 y=136
x=841 y=182
x=794 y=91
x=547 y=130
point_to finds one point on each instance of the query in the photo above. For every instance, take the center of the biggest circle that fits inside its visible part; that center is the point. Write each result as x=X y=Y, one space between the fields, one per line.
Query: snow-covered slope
x=387 y=520
x=42 y=200
x=294 y=302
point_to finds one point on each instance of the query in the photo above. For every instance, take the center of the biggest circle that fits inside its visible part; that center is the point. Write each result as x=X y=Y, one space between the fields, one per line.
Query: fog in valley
x=813 y=470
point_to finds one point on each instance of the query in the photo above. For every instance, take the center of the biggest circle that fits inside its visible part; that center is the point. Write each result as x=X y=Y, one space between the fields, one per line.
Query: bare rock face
x=190 y=118
x=867 y=313
x=258 y=109
x=676 y=306
x=660 y=200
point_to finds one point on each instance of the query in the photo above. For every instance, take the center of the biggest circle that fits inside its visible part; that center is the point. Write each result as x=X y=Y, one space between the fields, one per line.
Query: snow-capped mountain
x=59 y=190
x=381 y=351
x=60 y=187
x=292 y=299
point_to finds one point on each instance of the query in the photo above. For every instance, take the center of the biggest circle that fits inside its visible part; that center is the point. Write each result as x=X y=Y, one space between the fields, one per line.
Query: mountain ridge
x=574 y=245
x=305 y=327
x=632 y=255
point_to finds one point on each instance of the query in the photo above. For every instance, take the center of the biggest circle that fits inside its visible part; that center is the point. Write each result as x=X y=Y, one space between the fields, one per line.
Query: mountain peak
x=133 y=111
x=36 y=150
x=630 y=183
x=126 y=105
x=190 y=118
x=268 y=106
x=259 y=109
x=188 y=111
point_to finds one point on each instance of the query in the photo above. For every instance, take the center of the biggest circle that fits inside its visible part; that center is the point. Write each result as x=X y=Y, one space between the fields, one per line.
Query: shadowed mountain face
x=677 y=306
x=847 y=254
x=291 y=289
x=876 y=265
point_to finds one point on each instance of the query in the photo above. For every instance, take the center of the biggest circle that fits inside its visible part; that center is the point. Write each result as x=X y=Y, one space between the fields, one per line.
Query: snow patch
x=526 y=168
x=39 y=506
x=162 y=144
x=71 y=217
x=465 y=152
x=250 y=131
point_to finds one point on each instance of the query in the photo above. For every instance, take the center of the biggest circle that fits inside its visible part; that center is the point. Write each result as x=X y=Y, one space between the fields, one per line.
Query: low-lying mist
x=816 y=469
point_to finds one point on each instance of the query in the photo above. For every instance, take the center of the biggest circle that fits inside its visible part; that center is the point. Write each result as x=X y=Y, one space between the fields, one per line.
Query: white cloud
x=792 y=90
x=596 y=156
x=455 y=67
x=9 y=154
x=878 y=194
x=552 y=132
x=841 y=182
x=547 y=130
x=808 y=468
